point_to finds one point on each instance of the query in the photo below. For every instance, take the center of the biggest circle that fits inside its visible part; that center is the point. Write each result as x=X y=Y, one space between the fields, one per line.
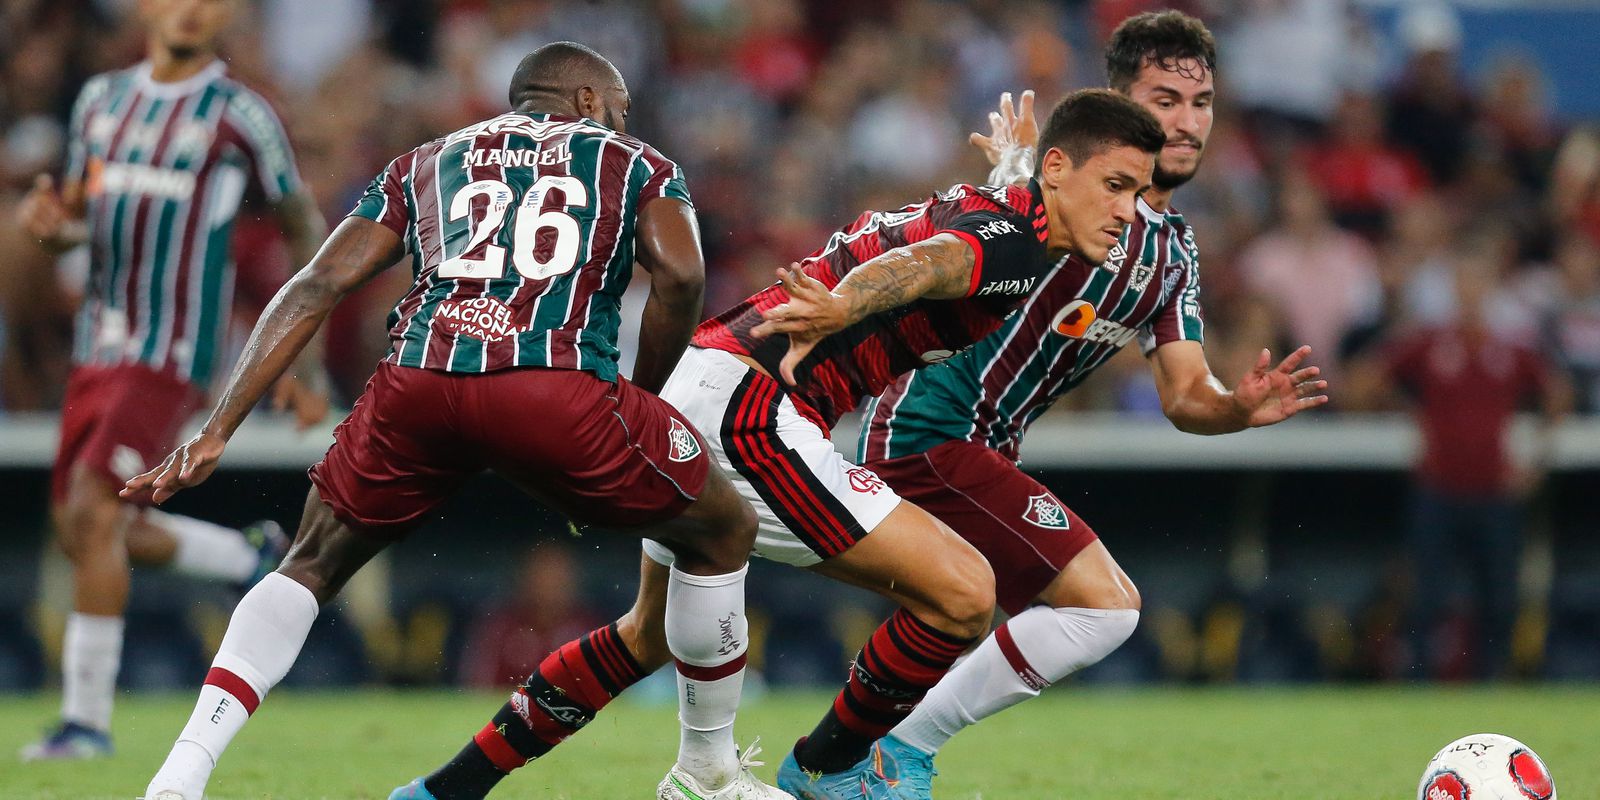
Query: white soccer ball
x=1486 y=766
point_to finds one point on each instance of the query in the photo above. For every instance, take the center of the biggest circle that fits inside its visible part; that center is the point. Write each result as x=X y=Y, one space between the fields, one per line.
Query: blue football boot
x=859 y=782
x=414 y=790
x=907 y=771
x=69 y=741
x=270 y=543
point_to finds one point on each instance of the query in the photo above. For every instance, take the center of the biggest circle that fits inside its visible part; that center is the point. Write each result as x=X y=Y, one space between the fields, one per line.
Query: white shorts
x=811 y=502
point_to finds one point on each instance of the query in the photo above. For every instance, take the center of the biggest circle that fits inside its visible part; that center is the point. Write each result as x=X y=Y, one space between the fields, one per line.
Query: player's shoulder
x=970 y=197
x=1172 y=219
x=247 y=109
x=105 y=83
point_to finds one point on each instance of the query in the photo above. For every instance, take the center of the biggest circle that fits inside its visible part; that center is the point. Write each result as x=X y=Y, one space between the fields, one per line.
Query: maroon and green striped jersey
x=1079 y=317
x=1006 y=228
x=521 y=236
x=164 y=166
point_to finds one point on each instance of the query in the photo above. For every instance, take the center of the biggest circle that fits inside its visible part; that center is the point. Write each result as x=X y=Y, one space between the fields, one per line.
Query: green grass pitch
x=1080 y=743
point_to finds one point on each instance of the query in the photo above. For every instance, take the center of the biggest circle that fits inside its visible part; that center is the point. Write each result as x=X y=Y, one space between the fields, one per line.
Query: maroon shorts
x=1025 y=532
x=608 y=454
x=118 y=421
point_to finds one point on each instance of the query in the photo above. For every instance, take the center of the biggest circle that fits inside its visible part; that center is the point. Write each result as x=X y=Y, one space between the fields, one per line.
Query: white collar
x=189 y=85
x=1151 y=215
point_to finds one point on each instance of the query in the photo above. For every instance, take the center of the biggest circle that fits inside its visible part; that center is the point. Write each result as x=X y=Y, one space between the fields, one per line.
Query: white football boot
x=680 y=785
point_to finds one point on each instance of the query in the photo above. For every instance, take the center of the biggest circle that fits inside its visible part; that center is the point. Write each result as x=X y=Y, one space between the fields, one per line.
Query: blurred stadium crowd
x=1347 y=168
x=1352 y=169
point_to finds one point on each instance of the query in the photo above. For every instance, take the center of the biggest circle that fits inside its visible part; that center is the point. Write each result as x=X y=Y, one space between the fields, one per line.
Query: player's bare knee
x=720 y=534
x=966 y=602
x=87 y=524
x=1131 y=592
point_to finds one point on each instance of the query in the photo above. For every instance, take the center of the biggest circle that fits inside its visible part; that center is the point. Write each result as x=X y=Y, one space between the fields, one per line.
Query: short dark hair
x=1090 y=121
x=1160 y=37
x=557 y=68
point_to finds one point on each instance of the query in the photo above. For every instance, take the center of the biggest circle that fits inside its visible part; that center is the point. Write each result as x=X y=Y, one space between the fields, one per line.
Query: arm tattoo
x=939 y=268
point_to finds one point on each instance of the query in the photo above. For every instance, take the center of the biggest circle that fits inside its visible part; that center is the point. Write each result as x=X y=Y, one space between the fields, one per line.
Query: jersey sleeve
x=265 y=144
x=384 y=201
x=1008 y=257
x=1179 y=319
x=78 y=128
x=665 y=180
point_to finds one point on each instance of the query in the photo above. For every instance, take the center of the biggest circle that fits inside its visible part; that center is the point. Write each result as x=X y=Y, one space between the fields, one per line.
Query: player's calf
x=565 y=693
x=264 y=638
x=1032 y=650
x=946 y=608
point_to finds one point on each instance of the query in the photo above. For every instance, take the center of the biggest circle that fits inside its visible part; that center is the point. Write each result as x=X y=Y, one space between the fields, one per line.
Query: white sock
x=708 y=634
x=90 y=657
x=206 y=550
x=264 y=637
x=1032 y=650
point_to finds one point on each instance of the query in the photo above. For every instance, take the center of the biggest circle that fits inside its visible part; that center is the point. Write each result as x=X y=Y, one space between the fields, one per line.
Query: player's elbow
x=1179 y=419
x=318 y=287
x=678 y=286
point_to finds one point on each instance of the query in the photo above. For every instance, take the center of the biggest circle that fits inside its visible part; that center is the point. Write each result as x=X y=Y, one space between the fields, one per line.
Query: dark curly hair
x=1090 y=121
x=1161 y=37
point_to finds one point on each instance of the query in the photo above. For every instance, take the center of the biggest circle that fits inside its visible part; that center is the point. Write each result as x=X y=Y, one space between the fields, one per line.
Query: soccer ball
x=1486 y=766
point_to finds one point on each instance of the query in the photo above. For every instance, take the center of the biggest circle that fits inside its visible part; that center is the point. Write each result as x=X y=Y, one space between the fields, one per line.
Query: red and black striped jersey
x=1007 y=230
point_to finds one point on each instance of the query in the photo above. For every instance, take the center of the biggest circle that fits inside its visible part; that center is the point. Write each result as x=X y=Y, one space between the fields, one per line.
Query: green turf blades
x=1076 y=741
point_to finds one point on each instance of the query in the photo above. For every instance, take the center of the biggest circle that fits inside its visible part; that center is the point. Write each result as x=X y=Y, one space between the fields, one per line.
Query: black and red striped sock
x=902 y=660
x=570 y=687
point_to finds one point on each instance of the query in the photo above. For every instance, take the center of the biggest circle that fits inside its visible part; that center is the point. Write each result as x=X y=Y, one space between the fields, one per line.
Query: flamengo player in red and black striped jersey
x=521 y=233
x=158 y=158
x=1005 y=230
x=892 y=293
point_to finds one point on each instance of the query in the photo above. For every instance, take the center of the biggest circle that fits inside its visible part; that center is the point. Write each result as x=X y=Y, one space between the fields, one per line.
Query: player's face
x=1179 y=94
x=187 y=27
x=1094 y=201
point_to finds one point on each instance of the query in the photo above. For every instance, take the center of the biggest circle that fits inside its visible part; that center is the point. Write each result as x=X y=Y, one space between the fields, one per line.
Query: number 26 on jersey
x=526 y=225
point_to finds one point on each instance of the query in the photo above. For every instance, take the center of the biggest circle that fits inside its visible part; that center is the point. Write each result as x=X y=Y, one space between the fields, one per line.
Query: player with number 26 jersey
x=520 y=231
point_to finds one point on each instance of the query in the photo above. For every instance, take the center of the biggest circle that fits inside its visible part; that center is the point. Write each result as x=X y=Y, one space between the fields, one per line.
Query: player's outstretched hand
x=1010 y=128
x=811 y=314
x=1272 y=396
x=307 y=400
x=42 y=212
x=187 y=466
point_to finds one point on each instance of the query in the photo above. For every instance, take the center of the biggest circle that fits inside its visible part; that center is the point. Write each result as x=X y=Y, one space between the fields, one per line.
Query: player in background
x=767 y=379
x=522 y=233
x=947 y=438
x=158 y=157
